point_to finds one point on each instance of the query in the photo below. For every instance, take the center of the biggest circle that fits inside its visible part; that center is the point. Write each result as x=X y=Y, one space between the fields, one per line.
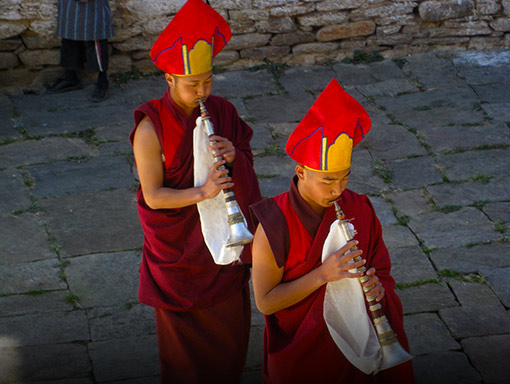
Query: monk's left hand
x=374 y=284
x=225 y=148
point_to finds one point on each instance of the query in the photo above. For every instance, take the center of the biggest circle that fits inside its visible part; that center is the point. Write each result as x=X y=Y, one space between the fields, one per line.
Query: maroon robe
x=177 y=271
x=297 y=345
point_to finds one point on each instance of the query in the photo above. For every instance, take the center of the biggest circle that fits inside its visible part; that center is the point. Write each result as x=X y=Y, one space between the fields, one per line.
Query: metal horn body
x=392 y=352
x=239 y=233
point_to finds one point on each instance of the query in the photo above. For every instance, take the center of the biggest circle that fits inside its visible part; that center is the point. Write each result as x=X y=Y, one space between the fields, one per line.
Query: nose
x=201 y=90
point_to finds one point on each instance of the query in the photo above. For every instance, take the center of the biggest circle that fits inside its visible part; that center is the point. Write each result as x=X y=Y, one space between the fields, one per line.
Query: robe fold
x=297 y=345
x=177 y=271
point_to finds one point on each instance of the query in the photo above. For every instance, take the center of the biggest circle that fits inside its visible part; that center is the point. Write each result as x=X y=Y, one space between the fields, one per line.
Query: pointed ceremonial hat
x=191 y=40
x=324 y=139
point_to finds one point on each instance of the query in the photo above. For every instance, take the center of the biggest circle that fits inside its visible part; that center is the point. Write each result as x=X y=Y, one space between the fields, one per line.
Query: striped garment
x=84 y=21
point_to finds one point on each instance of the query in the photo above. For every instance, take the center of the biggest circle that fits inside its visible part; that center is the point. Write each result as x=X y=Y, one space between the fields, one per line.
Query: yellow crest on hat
x=198 y=59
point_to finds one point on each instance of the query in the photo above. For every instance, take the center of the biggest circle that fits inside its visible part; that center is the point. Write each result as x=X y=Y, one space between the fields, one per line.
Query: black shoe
x=64 y=85
x=100 y=92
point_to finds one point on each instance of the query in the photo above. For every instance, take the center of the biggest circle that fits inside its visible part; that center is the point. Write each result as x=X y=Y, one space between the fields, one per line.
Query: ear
x=170 y=80
x=300 y=171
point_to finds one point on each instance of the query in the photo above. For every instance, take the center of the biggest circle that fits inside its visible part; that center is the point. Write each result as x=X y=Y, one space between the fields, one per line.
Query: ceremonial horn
x=392 y=352
x=239 y=233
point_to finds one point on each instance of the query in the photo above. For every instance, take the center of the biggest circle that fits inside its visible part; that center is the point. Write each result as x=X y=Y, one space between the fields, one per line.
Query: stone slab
x=95 y=222
x=124 y=358
x=474 y=294
x=363 y=74
x=444 y=367
x=476 y=321
x=459 y=228
x=136 y=93
x=499 y=211
x=414 y=172
x=114 y=139
x=13 y=194
x=55 y=327
x=273 y=186
x=44 y=302
x=383 y=211
x=494 y=93
x=426 y=298
x=32 y=276
x=54 y=363
x=398 y=236
x=81 y=176
x=474 y=259
x=499 y=280
x=443 y=76
x=410 y=265
x=363 y=178
x=262 y=139
x=461 y=166
x=14 y=232
x=391 y=87
x=313 y=78
x=442 y=138
x=243 y=84
x=476 y=74
x=497 y=111
x=279 y=109
x=489 y=355
x=95 y=278
x=420 y=327
x=389 y=142
x=43 y=151
x=266 y=166
x=423 y=120
x=9 y=131
x=411 y=203
x=462 y=98
x=470 y=192
x=70 y=112
x=121 y=321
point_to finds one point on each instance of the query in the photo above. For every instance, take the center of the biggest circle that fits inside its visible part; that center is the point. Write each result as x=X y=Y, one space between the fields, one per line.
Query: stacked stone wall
x=285 y=31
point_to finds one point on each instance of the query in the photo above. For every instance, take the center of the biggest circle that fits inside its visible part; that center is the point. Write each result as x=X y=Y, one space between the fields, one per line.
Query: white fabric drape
x=213 y=212
x=345 y=314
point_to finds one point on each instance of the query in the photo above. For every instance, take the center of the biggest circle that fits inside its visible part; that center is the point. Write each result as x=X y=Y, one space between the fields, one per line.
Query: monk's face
x=320 y=189
x=187 y=91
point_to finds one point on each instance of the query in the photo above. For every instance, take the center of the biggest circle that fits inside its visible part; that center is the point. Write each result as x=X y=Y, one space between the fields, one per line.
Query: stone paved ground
x=435 y=166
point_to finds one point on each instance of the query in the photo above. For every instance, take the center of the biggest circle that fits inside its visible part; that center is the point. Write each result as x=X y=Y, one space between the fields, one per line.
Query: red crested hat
x=324 y=139
x=191 y=40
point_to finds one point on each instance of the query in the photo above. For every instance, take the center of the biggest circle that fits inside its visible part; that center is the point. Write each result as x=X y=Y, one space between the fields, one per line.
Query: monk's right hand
x=337 y=266
x=217 y=180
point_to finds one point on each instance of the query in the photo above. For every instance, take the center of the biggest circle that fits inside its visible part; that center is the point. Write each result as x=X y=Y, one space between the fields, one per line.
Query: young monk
x=202 y=309
x=289 y=279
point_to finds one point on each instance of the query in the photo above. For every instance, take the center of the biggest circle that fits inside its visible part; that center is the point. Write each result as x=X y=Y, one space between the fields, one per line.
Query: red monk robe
x=297 y=345
x=177 y=272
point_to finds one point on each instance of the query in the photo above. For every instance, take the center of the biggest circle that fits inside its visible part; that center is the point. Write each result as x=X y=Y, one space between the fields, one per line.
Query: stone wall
x=284 y=31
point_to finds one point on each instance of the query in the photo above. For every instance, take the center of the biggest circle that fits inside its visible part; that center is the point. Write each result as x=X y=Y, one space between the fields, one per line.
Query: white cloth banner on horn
x=345 y=313
x=213 y=212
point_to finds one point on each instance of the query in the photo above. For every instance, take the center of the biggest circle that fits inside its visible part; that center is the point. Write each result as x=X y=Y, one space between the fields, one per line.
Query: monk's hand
x=373 y=286
x=337 y=266
x=217 y=180
x=224 y=147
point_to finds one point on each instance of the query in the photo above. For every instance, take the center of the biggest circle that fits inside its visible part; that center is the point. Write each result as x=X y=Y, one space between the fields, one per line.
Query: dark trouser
x=74 y=53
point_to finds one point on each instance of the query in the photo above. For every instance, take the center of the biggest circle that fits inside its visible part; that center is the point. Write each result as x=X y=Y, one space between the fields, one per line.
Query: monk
x=202 y=309
x=289 y=278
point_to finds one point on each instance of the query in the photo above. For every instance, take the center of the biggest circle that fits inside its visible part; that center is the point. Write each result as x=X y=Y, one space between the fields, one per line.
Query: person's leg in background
x=71 y=59
x=97 y=61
